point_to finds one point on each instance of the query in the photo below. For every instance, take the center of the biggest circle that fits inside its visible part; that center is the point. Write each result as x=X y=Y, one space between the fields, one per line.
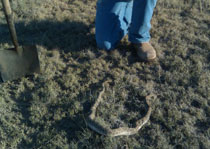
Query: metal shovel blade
x=13 y=65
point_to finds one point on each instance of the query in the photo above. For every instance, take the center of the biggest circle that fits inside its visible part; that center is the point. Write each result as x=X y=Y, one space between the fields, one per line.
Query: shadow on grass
x=66 y=36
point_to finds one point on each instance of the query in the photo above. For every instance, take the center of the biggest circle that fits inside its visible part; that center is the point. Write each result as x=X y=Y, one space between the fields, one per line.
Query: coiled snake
x=122 y=131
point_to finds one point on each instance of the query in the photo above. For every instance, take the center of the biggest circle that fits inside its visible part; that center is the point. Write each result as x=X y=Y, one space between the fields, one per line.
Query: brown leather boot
x=145 y=51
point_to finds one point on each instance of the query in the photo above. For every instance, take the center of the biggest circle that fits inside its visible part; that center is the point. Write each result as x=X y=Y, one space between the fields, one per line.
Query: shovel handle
x=9 y=18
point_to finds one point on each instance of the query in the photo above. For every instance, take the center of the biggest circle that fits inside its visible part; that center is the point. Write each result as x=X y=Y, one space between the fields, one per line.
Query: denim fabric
x=116 y=18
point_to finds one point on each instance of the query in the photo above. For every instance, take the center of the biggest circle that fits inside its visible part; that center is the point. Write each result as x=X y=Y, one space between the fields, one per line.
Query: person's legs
x=113 y=18
x=141 y=17
x=140 y=26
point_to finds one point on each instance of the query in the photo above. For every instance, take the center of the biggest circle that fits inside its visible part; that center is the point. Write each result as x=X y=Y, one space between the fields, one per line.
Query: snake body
x=122 y=131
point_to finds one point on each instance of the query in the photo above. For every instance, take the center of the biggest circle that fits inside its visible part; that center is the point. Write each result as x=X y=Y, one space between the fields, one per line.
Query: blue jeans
x=116 y=18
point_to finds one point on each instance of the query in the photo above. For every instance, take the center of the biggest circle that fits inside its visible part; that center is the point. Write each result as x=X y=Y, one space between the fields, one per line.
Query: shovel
x=20 y=60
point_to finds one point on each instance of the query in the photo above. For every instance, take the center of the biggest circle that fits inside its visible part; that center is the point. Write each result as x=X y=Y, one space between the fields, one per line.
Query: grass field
x=48 y=110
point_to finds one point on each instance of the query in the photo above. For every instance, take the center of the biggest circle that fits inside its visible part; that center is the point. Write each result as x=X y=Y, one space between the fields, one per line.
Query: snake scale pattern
x=122 y=131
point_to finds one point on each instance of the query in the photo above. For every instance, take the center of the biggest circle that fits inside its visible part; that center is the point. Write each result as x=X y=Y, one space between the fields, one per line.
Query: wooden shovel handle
x=9 y=18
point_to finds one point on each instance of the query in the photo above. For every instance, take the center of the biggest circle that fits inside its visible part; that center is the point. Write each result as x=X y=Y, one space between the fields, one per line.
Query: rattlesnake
x=126 y=131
